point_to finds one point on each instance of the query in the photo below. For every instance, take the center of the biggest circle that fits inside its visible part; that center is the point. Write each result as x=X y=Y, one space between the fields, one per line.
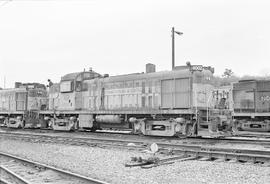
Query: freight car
x=20 y=106
x=252 y=104
x=162 y=103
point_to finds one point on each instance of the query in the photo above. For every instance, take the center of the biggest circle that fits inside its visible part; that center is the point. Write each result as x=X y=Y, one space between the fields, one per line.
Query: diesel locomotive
x=252 y=105
x=164 y=103
x=20 y=106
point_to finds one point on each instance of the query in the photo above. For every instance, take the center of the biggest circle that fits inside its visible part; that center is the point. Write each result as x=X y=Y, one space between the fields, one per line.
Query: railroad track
x=200 y=139
x=18 y=170
x=197 y=151
x=66 y=139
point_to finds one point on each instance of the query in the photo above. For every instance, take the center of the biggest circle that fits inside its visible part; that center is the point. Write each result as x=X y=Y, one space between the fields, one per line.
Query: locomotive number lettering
x=197 y=68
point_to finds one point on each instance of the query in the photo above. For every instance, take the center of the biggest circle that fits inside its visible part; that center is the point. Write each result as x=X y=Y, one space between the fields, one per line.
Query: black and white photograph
x=134 y=92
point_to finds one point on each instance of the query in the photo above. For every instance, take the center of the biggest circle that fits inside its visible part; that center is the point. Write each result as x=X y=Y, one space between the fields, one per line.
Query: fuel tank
x=116 y=119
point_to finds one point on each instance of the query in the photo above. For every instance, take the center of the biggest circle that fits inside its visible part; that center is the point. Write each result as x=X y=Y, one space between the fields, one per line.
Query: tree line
x=229 y=77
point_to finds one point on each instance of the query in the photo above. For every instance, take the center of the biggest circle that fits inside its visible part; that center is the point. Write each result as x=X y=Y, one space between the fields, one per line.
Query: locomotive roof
x=254 y=80
x=178 y=73
x=248 y=80
x=138 y=76
x=72 y=76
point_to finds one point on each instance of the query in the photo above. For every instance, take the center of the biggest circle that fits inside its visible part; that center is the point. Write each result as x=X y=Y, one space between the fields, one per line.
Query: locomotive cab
x=67 y=99
x=71 y=88
x=184 y=93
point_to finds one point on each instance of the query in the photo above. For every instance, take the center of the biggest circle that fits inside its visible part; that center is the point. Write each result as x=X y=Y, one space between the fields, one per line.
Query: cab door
x=78 y=94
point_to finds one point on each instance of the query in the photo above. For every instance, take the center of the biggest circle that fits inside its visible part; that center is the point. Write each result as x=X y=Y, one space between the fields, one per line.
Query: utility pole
x=173 y=47
x=173 y=57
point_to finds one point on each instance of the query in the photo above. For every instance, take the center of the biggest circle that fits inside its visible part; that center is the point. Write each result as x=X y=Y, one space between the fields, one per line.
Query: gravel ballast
x=108 y=164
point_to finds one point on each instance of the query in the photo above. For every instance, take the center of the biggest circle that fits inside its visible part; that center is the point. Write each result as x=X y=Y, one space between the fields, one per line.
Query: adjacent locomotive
x=20 y=106
x=162 y=103
x=252 y=104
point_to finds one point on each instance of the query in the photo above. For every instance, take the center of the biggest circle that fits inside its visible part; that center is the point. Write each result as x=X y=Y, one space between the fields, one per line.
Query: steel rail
x=236 y=139
x=68 y=173
x=231 y=139
x=3 y=181
x=15 y=176
x=240 y=141
x=245 y=157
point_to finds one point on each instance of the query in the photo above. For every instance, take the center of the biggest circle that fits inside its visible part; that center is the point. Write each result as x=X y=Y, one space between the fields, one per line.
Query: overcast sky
x=47 y=39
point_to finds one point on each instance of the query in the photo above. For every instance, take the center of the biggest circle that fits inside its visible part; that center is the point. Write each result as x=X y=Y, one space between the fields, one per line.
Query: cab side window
x=78 y=86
